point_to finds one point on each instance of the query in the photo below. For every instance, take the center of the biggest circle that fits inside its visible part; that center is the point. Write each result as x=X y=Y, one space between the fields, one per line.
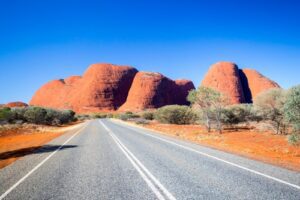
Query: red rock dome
x=257 y=83
x=224 y=77
x=15 y=104
x=240 y=85
x=103 y=87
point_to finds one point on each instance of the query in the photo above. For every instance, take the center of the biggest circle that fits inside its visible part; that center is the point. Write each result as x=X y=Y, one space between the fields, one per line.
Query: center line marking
x=142 y=170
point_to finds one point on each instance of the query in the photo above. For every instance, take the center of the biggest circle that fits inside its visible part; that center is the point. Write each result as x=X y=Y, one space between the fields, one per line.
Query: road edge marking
x=216 y=158
x=140 y=168
x=40 y=164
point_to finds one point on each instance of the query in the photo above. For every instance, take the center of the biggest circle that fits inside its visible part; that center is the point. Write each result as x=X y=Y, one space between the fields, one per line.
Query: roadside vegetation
x=36 y=115
x=275 y=110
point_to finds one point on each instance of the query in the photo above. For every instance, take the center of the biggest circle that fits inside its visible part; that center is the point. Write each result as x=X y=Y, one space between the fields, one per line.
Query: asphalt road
x=106 y=159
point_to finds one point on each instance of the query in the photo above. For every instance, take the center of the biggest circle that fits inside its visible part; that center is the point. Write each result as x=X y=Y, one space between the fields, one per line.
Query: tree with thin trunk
x=210 y=103
x=271 y=106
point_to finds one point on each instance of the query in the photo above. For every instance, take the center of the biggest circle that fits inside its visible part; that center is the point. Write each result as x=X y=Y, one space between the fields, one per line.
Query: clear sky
x=45 y=40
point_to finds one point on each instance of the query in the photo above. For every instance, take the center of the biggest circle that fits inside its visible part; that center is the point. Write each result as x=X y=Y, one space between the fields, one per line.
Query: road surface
x=106 y=159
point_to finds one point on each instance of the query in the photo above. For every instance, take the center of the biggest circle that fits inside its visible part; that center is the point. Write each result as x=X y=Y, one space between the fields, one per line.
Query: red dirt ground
x=16 y=143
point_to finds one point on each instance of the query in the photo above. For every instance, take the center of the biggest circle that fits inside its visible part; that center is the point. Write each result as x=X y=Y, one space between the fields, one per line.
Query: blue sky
x=45 y=40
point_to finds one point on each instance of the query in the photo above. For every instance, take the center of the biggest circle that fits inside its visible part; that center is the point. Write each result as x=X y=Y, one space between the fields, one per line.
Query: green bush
x=175 y=114
x=36 y=115
x=292 y=113
x=294 y=139
x=270 y=104
x=100 y=116
x=240 y=113
x=18 y=114
x=124 y=117
x=148 y=115
x=65 y=116
x=5 y=114
x=128 y=113
x=141 y=122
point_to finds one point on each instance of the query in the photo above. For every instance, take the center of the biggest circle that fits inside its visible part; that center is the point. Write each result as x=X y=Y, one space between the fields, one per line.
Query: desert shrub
x=67 y=116
x=109 y=115
x=57 y=117
x=239 y=113
x=128 y=113
x=18 y=114
x=5 y=114
x=148 y=115
x=82 y=117
x=35 y=115
x=292 y=113
x=52 y=117
x=270 y=105
x=141 y=122
x=210 y=104
x=100 y=115
x=294 y=139
x=38 y=115
x=175 y=114
x=124 y=117
x=116 y=115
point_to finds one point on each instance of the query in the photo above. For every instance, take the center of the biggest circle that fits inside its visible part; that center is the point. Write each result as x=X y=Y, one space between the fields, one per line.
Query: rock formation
x=181 y=91
x=107 y=87
x=103 y=87
x=241 y=86
x=256 y=83
x=224 y=77
x=16 y=104
x=153 y=90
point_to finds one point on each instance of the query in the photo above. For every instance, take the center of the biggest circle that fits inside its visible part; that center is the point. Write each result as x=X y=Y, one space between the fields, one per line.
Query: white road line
x=141 y=169
x=38 y=166
x=221 y=160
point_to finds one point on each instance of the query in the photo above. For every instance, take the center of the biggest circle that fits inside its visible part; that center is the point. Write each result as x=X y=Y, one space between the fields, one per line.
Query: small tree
x=292 y=112
x=270 y=104
x=211 y=104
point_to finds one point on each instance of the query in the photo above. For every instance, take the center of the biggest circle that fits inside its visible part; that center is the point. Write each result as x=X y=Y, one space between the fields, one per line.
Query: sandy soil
x=263 y=146
x=18 y=141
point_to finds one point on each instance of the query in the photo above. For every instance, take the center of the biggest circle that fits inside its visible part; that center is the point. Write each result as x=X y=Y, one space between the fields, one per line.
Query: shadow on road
x=33 y=150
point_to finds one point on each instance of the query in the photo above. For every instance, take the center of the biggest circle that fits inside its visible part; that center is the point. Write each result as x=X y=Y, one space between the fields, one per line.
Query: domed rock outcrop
x=17 y=104
x=241 y=85
x=224 y=77
x=255 y=83
x=148 y=90
x=182 y=88
x=102 y=87
x=52 y=95
x=153 y=90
